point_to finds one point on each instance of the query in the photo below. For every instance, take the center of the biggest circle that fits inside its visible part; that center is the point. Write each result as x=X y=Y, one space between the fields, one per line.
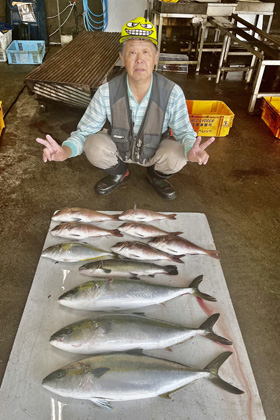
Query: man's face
x=139 y=58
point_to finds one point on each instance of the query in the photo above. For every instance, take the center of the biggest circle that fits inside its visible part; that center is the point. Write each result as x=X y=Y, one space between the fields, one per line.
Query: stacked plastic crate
x=5 y=40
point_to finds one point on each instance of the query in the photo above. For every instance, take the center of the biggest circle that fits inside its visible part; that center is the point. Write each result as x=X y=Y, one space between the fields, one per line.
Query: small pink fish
x=180 y=246
x=141 y=251
x=78 y=214
x=75 y=230
x=138 y=215
x=140 y=230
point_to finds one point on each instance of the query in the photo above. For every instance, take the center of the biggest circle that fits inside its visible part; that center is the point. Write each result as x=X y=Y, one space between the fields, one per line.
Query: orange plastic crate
x=271 y=114
x=210 y=118
x=2 y=125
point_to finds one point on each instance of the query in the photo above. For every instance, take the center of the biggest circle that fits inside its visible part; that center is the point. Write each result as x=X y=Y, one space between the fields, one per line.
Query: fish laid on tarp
x=141 y=251
x=141 y=215
x=119 y=294
x=174 y=245
x=140 y=230
x=73 y=252
x=123 y=332
x=76 y=230
x=125 y=268
x=126 y=377
x=77 y=214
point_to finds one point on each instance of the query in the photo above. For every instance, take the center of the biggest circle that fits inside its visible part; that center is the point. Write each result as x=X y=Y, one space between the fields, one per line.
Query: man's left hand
x=197 y=153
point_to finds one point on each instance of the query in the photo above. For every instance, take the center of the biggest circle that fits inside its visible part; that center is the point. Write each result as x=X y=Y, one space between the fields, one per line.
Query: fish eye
x=67 y=331
x=146 y=25
x=60 y=373
x=132 y=24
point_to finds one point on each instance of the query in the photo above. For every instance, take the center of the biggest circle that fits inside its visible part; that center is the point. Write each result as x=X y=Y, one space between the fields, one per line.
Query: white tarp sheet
x=32 y=358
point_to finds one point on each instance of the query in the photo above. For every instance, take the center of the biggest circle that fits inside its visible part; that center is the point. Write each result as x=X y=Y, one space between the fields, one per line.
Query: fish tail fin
x=213 y=253
x=116 y=232
x=171 y=216
x=207 y=327
x=213 y=368
x=194 y=285
x=177 y=258
x=172 y=270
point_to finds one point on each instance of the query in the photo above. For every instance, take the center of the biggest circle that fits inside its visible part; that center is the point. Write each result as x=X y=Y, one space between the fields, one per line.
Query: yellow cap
x=139 y=28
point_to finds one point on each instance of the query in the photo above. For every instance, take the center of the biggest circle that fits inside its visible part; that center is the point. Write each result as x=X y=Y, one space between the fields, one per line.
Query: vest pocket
x=120 y=138
x=151 y=142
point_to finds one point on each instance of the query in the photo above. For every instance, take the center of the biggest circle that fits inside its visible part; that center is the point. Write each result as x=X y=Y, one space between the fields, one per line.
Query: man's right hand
x=53 y=151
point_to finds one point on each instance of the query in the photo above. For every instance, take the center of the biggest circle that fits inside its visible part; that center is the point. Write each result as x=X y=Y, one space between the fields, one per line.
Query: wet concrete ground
x=238 y=191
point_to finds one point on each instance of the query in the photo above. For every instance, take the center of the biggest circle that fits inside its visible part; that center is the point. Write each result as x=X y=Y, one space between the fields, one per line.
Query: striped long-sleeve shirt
x=98 y=111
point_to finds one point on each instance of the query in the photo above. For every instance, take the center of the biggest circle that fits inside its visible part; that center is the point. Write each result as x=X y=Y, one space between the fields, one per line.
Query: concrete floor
x=238 y=191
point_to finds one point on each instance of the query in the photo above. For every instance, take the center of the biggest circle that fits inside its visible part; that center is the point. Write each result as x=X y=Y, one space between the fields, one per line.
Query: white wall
x=121 y=11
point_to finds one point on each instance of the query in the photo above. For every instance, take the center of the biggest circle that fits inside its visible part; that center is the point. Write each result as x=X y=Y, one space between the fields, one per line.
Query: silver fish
x=119 y=332
x=141 y=215
x=126 y=377
x=140 y=230
x=141 y=251
x=73 y=252
x=125 y=268
x=119 y=294
x=78 y=214
x=178 y=246
x=76 y=230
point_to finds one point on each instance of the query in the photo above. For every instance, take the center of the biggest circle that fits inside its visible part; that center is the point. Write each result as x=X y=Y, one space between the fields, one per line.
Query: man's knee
x=171 y=157
x=100 y=150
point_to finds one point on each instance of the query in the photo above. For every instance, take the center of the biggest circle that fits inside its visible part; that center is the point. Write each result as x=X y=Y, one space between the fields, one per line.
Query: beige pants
x=101 y=151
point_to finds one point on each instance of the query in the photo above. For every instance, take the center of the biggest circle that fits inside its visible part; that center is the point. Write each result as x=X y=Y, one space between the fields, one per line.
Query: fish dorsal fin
x=98 y=372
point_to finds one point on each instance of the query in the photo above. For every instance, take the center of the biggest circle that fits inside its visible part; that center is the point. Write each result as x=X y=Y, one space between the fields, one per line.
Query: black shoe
x=110 y=183
x=162 y=187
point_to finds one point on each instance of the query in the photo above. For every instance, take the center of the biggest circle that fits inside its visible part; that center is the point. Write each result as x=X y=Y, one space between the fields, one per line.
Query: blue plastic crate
x=26 y=52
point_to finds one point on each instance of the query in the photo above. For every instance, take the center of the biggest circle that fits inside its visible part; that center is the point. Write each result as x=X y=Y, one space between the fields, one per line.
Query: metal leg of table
x=221 y=58
x=256 y=87
x=269 y=24
x=250 y=72
x=201 y=44
x=217 y=35
x=227 y=49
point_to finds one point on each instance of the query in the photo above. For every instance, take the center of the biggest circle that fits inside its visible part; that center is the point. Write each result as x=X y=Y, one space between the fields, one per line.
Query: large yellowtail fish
x=119 y=294
x=126 y=377
x=123 y=332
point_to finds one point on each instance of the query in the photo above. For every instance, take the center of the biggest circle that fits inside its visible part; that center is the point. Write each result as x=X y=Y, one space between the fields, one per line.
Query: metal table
x=263 y=46
x=198 y=12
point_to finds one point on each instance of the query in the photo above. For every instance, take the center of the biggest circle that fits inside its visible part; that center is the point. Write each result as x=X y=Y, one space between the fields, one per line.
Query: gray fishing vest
x=144 y=144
